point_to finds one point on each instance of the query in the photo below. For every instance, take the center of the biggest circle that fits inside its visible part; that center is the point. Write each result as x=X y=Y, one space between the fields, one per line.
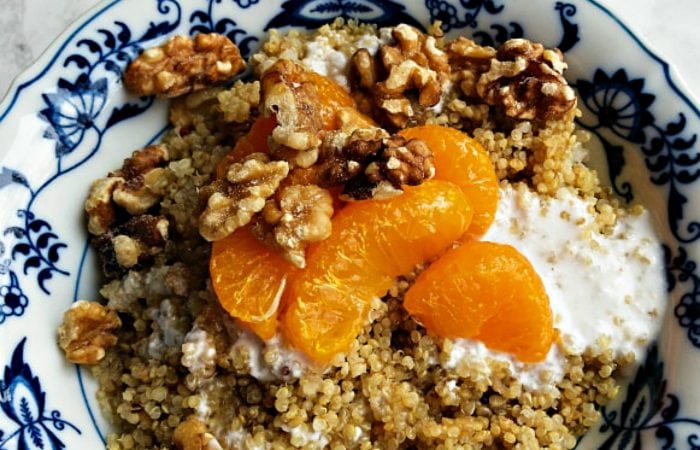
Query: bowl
x=68 y=119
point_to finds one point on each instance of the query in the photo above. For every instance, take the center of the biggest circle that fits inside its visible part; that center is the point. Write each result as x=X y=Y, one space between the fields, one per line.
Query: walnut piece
x=192 y=434
x=526 y=81
x=182 y=65
x=371 y=164
x=234 y=201
x=144 y=181
x=300 y=217
x=289 y=94
x=98 y=206
x=413 y=63
x=132 y=243
x=87 y=331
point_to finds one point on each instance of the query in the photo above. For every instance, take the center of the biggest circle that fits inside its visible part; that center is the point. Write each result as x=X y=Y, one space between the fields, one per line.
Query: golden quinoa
x=179 y=363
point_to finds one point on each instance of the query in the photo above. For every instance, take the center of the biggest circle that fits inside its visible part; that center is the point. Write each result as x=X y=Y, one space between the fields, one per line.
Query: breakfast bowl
x=68 y=120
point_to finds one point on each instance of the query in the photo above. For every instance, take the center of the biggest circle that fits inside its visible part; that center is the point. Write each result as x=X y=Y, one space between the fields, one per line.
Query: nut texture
x=98 y=205
x=232 y=203
x=413 y=63
x=87 y=331
x=132 y=243
x=143 y=179
x=371 y=164
x=286 y=92
x=527 y=82
x=182 y=65
x=301 y=217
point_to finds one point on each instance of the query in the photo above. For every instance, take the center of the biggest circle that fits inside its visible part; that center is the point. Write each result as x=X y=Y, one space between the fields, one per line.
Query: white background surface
x=27 y=27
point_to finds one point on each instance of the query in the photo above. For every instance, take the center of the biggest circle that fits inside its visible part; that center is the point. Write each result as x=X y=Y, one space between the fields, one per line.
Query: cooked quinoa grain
x=184 y=374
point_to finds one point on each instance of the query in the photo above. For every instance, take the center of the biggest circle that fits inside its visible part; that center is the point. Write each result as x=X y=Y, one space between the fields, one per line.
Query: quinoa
x=179 y=354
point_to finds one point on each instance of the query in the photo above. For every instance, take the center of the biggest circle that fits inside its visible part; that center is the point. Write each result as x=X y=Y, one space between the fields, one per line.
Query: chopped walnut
x=468 y=61
x=192 y=435
x=182 y=65
x=132 y=243
x=526 y=81
x=87 y=331
x=98 y=206
x=371 y=164
x=413 y=63
x=144 y=182
x=289 y=93
x=234 y=201
x=403 y=162
x=301 y=216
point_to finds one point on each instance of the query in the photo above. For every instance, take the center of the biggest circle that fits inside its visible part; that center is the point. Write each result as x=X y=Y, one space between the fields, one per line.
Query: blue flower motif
x=12 y=299
x=72 y=111
x=23 y=403
x=618 y=103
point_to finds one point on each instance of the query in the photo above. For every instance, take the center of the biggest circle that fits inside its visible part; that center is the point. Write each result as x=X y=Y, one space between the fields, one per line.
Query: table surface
x=668 y=26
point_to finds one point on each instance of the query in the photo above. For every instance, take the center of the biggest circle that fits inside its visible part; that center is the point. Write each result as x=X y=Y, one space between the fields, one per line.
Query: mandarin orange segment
x=252 y=142
x=463 y=161
x=371 y=244
x=249 y=279
x=330 y=98
x=489 y=292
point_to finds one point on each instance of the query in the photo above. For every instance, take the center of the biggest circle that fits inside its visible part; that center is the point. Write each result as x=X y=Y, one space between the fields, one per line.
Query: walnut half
x=372 y=164
x=301 y=216
x=232 y=203
x=527 y=82
x=183 y=65
x=87 y=332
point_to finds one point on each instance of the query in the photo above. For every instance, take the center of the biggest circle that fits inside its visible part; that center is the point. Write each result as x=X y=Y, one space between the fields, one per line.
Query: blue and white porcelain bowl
x=68 y=119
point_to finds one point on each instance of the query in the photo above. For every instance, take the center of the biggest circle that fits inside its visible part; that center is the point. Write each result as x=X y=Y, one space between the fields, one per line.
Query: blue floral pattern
x=314 y=13
x=23 y=401
x=202 y=21
x=73 y=111
x=647 y=406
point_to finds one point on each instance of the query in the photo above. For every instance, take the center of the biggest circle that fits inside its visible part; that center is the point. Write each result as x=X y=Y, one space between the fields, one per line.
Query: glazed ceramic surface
x=68 y=120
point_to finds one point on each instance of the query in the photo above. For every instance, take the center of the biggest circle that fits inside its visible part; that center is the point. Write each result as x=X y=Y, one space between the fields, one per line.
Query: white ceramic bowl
x=67 y=120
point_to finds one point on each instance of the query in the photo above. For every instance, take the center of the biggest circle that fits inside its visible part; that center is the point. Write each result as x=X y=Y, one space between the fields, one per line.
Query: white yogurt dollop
x=600 y=286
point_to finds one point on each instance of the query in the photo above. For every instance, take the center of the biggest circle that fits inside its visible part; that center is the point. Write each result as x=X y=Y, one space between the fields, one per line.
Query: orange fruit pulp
x=371 y=244
x=249 y=280
x=463 y=161
x=489 y=292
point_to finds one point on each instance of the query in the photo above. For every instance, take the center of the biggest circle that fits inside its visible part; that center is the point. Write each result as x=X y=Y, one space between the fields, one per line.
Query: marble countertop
x=669 y=27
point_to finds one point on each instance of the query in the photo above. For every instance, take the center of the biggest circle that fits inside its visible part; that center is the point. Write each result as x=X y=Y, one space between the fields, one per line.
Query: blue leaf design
x=127 y=111
x=124 y=34
x=38 y=224
x=80 y=61
x=32 y=262
x=110 y=41
x=43 y=239
x=91 y=45
x=21 y=248
x=34 y=432
x=26 y=405
x=53 y=252
x=9 y=176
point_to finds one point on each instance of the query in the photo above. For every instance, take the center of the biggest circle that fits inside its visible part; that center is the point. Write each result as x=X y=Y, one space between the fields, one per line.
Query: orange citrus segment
x=371 y=244
x=489 y=292
x=463 y=161
x=254 y=141
x=249 y=279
